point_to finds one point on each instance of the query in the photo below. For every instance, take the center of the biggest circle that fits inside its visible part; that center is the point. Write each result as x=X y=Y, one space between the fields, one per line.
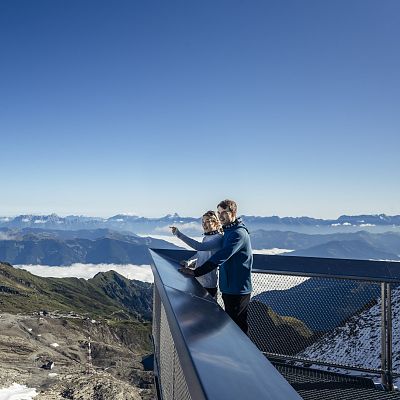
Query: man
x=235 y=261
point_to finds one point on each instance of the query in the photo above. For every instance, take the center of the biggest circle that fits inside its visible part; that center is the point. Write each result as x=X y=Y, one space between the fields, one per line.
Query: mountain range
x=57 y=247
x=348 y=249
x=153 y=225
x=354 y=245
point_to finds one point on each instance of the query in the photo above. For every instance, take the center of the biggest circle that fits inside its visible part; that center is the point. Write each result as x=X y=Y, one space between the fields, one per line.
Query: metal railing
x=325 y=312
x=304 y=311
x=199 y=351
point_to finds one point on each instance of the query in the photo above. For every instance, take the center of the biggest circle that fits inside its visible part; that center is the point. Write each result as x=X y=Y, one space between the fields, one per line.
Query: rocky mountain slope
x=267 y=328
x=52 y=320
x=108 y=293
x=29 y=342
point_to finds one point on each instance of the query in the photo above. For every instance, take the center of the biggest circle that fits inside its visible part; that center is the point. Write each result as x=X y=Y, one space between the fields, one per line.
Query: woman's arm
x=212 y=244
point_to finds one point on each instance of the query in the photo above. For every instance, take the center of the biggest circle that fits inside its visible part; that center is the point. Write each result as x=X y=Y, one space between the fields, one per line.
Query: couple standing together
x=226 y=246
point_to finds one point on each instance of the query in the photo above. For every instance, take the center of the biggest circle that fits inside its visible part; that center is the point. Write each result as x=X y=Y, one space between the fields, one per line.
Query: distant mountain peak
x=172 y=216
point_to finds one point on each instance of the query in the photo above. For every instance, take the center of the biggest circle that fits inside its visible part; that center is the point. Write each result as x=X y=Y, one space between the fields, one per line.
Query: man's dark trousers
x=236 y=306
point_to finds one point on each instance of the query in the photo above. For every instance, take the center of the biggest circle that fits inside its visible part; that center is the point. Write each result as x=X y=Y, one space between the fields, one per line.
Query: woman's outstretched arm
x=212 y=244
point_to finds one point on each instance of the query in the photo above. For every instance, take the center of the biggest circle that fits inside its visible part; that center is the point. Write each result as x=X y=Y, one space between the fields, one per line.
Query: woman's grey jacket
x=205 y=249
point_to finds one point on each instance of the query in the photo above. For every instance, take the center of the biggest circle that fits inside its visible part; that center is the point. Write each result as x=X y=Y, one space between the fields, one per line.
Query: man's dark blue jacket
x=234 y=260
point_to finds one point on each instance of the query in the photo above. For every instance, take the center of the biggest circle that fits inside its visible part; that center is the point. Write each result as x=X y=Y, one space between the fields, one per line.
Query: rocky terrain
x=30 y=342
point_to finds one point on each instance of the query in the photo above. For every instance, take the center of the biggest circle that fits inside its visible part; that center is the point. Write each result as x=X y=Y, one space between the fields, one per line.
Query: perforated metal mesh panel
x=156 y=321
x=181 y=390
x=396 y=330
x=166 y=358
x=172 y=380
x=315 y=319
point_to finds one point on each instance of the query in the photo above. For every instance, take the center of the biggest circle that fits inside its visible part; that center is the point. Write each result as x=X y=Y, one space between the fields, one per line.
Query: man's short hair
x=228 y=205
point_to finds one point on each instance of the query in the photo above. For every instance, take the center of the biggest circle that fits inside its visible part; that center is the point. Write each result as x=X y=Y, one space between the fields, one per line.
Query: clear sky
x=151 y=107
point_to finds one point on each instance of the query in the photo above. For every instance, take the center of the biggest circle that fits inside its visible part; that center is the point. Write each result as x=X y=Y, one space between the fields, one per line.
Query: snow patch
x=17 y=392
x=274 y=251
x=357 y=342
x=55 y=345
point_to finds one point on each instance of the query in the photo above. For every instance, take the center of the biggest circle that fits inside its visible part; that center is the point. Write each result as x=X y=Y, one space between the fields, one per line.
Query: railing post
x=389 y=355
x=386 y=337
x=383 y=334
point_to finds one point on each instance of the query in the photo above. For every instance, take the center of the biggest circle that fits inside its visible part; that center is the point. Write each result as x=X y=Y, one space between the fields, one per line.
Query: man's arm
x=233 y=244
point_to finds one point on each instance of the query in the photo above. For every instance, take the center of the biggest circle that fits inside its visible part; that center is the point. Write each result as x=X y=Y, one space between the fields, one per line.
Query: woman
x=212 y=242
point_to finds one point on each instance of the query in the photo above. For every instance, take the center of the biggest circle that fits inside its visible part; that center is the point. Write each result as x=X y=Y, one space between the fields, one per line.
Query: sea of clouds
x=87 y=271
x=188 y=226
x=272 y=252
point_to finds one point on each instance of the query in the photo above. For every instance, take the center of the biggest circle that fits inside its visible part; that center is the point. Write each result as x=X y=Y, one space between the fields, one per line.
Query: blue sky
x=152 y=107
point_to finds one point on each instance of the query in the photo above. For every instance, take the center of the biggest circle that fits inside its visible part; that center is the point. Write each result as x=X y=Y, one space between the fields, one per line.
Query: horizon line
x=62 y=215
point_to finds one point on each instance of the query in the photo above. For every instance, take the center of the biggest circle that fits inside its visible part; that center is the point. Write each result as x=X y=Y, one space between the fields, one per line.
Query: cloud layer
x=272 y=252
x=87 y=271
x=5 y=236
x=188 y=226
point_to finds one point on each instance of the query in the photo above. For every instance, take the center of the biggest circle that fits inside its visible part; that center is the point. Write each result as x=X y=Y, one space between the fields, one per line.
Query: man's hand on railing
x=186 y=271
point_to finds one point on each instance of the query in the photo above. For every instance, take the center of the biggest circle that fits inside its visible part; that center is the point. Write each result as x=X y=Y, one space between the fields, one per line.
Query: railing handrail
x=218 y=360
x=339 y=268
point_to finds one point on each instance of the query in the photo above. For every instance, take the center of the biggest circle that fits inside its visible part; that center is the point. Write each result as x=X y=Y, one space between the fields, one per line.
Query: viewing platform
x=306 y=318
